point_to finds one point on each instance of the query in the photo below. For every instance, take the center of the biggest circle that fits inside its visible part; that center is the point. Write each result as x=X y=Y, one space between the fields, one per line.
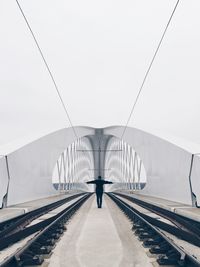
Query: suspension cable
x=47 y=67
x=149 y=67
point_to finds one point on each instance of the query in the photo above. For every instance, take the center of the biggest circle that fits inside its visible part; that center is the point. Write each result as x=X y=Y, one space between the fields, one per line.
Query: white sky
x=99 y=52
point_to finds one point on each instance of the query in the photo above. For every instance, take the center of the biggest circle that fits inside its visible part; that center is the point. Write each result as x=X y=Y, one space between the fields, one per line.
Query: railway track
x=157 y=235
x=181 y=222
x=38 y=233
x=39 y=237
x=13 y=225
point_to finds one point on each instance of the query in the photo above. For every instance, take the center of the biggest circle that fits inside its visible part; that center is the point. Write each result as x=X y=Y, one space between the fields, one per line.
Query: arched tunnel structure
x=169 y=169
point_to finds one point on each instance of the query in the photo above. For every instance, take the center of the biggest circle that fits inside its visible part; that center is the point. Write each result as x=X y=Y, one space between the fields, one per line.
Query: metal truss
x=74 y=168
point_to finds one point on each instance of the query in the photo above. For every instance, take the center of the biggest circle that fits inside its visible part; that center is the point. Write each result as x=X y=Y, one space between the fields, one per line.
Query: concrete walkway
x=99 y=238
x=99 y=242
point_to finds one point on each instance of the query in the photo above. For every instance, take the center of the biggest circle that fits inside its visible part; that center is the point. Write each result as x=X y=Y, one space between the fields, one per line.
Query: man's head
x=99 y=177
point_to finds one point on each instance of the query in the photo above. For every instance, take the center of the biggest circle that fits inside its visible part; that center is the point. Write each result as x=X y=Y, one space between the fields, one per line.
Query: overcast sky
x=99 y=52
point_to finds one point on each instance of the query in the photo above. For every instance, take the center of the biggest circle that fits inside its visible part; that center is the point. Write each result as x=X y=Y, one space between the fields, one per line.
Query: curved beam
x=167 y=165
x=31 y=165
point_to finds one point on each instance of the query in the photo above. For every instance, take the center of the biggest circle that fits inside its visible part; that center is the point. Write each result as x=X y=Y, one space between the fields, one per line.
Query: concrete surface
x=99 y=238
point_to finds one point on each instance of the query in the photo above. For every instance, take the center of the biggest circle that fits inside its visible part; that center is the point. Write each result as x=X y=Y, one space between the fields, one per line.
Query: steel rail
x=177 y=229
x=181 y=222
x=43 y=242
x=149 y=232
x=16 y=224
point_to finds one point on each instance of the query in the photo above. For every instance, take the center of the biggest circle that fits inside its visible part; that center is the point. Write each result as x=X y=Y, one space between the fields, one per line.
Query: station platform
x=176 y=207
x=99 y=238
x=20 y=209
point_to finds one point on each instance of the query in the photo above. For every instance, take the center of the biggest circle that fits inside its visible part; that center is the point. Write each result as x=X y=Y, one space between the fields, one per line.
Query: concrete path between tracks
x=99 y=238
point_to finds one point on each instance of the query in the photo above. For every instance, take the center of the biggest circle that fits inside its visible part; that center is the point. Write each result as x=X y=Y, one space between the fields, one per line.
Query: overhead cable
x=149 y=68
x=47 y=67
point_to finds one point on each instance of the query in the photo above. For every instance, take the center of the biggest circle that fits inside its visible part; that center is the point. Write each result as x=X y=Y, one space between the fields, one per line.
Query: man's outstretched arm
x=107 y=182
x=90 y=182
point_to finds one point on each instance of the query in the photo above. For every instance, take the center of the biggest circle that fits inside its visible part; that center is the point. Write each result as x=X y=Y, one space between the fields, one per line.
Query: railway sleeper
x=132 y=217
x=39 y=249
x=172 y=257
x=138 y=224
x=44 y=240
x=162 y=248
x=66 y=218
x=135 y=219
x=29 y=258
x=54 y=232
x=155 y=240
x=146 y=235
x=55 y=236
x=60 y=231
x=141 y=230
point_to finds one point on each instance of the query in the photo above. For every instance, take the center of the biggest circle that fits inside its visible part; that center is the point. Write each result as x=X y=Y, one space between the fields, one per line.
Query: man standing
x=99 y=189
